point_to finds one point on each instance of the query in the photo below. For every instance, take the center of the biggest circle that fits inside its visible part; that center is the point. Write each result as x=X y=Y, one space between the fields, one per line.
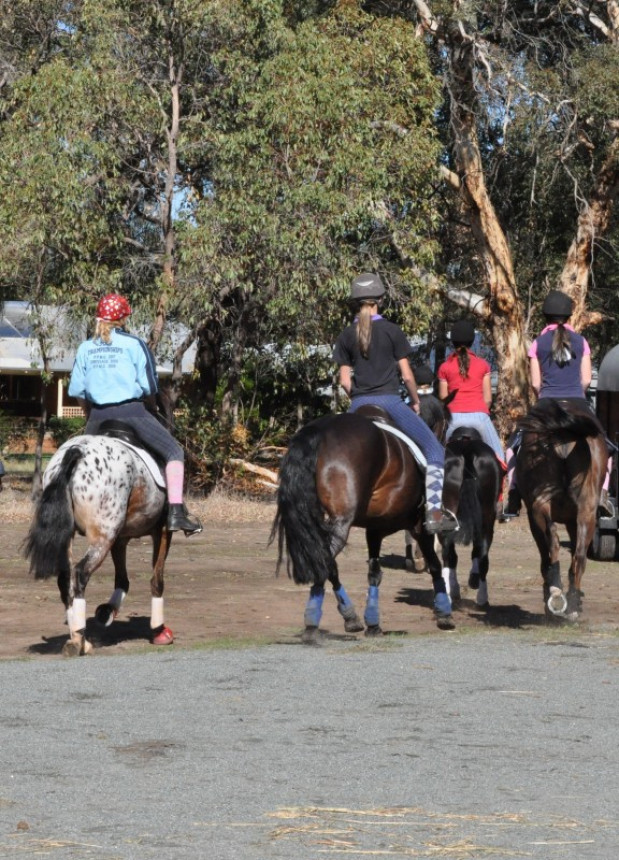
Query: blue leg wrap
x=313 y=607
x=442 y=603
x=343 y=600
x=371 y=616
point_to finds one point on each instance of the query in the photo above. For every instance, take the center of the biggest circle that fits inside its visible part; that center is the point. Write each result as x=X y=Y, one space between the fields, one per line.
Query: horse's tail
x=49 y=538
x=470 y=514
x=300 y=522
x=549 y=418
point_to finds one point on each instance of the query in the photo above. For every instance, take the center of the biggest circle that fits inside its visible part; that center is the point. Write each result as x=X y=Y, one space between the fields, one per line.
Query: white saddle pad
x=414 y=448
x=149 y=461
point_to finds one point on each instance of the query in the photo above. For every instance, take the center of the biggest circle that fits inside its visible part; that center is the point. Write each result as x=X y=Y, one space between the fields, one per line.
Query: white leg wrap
x=76 y=615
x=447 y=577
x=156 y=612
x=116 y=600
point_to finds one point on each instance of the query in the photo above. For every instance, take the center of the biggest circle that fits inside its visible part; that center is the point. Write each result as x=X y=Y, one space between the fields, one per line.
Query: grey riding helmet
x=367 y=286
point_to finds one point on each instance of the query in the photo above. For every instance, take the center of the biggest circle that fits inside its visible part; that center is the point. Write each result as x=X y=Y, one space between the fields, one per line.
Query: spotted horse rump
x=102 y=489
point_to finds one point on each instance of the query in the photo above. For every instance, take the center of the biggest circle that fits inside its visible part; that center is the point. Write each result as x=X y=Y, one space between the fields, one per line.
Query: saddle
x=125 y=433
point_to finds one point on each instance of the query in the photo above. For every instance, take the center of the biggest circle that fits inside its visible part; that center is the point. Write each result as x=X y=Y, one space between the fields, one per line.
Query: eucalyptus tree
x=323 y=152
x=529 y=122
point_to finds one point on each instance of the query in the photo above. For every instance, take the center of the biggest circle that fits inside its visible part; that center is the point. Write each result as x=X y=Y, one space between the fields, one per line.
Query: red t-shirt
x=470 y=397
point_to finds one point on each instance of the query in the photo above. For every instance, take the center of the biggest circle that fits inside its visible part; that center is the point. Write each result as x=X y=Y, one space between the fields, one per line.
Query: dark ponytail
x=464 y=360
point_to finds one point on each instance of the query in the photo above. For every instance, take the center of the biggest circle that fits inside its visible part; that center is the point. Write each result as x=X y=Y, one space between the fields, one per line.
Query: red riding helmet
x=113 y=307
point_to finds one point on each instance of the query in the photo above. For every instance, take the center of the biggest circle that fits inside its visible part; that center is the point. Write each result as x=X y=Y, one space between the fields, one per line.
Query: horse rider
x=560 y=367
x=114 y=378
x=467 y=375
x=372 y=354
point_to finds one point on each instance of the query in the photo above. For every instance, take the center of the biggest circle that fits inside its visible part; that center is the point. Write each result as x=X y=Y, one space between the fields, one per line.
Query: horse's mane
x=548 y=418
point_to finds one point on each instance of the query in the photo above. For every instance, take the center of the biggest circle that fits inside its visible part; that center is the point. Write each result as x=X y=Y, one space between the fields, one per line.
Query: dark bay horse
x=342 y=471
x=560 y=470
x=474 y=476
x=101 y=488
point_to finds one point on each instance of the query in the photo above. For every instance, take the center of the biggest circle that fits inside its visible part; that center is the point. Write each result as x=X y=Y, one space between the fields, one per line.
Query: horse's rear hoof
x=310 y=636
x=557 y=601
x=353 y=625
x=445 y=622
x=76 y=647
x=374 y=630
x=105 y=614
x=163 y=636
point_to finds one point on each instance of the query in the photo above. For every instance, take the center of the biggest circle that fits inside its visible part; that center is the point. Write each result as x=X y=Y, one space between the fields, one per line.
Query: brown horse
x=560 y=469
x=342 y=471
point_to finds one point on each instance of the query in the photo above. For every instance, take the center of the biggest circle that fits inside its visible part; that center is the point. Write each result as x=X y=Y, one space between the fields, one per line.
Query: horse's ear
x=447 y=400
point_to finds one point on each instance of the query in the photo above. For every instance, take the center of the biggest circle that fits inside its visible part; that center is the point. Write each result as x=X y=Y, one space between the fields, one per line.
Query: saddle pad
x=149 y=461
x=412 y=446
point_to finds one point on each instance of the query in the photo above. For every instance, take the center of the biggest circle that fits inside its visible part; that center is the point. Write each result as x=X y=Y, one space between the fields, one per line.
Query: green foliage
x=62 y=429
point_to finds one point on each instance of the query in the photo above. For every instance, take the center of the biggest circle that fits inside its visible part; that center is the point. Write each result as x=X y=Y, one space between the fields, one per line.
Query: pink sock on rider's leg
x=174 y=475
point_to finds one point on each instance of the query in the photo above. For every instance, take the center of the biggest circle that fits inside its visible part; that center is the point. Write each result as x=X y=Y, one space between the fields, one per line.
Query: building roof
x=20 y=353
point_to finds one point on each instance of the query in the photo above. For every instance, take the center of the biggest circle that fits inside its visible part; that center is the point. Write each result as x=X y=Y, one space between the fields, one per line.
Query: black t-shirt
x=378 y=373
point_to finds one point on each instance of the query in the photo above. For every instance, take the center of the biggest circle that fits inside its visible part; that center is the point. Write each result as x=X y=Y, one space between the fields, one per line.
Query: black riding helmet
x=366 y=286
x=423 y=375
x=462 y=333
x=557 y=304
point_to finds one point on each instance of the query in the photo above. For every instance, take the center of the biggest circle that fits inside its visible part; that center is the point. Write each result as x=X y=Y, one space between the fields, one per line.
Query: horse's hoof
x=76 y=647
x=445 y=622
x=557 y=601
x=484 y=606
x=353 y=625
x=163 y=637
x=105 y=614
x=310 y=636
x=374 y=630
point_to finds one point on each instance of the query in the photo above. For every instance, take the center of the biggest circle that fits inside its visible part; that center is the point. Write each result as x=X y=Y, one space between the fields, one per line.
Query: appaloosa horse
x=560 y=470
x=342 y=471
x=102 y=488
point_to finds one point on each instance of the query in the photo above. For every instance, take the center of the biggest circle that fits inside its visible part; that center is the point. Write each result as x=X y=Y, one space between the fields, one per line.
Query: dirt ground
x=221 y=588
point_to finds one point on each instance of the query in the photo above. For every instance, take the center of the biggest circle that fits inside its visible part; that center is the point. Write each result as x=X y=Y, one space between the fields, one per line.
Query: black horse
x=342 y=471
x=475 y=476
x=560 y=470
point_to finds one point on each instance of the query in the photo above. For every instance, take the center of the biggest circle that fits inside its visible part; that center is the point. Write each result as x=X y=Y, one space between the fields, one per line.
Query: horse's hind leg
x=371 y=615
x=345 y=606
x=450 y=568
x=159 y=633
x=545 y=535
x=478 y=575
x=107 y=612
x=581 y=535
x=75 y=600
x=442 y=601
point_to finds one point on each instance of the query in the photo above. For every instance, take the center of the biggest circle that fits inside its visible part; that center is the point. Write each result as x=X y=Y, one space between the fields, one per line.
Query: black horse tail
x=48 y=541
x=300 y=522
x=470 y=515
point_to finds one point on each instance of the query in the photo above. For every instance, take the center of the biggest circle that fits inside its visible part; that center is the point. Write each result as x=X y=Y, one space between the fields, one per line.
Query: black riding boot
x=179 y=519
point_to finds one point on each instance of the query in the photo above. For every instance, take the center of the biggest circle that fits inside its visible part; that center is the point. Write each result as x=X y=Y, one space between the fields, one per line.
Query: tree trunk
x=593 y=222
x=501 y=310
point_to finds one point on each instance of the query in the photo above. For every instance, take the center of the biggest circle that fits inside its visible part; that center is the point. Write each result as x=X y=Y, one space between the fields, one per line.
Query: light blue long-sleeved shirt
x=110 y=373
